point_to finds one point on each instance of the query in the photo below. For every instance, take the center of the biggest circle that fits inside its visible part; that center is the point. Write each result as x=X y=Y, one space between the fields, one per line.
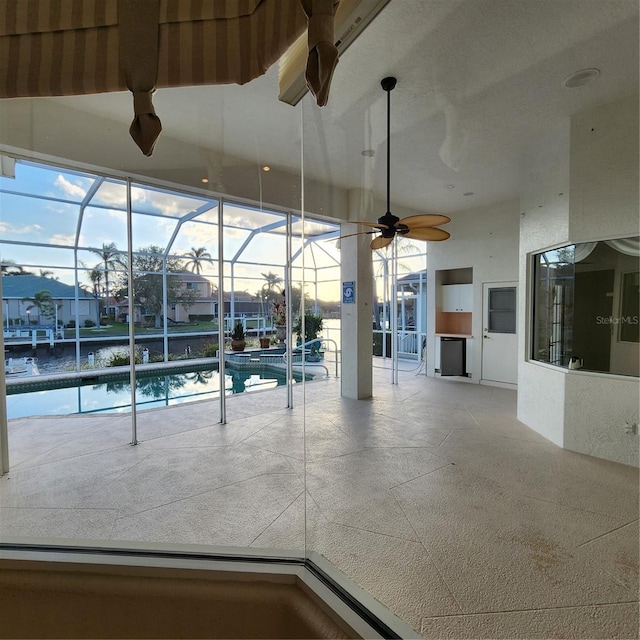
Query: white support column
x=357 y=318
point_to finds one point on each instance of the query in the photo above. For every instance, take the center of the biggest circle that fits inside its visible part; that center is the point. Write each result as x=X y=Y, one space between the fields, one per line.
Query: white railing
x=253 y=324
x=36 y=335
x=409 y=343
x=303 y=350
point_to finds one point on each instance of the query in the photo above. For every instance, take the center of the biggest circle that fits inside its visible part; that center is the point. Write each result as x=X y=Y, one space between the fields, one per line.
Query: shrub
x=210 y=350
x=200 y=317
x=89 y=323
x=312 y=327
x=71 y=324
x=120 y=359
x=238 y=332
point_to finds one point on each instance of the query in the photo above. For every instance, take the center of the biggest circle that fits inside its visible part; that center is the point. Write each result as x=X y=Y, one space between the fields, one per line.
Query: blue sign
x=348 y=292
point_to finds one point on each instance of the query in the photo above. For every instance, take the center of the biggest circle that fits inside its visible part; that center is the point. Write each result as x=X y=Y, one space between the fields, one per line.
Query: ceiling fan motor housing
x=389 y=220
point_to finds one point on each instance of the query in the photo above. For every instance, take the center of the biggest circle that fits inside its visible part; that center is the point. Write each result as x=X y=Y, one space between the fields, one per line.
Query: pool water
x=152 y=391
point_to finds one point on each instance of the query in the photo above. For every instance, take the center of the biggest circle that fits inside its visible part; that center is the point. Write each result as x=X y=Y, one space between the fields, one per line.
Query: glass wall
x=93 y=302
x=586 y=306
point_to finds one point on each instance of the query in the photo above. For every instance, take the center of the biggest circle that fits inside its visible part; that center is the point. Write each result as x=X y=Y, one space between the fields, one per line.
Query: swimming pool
x=111 y=393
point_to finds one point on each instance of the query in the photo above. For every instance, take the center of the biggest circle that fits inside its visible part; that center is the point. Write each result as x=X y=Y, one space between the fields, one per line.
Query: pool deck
x=431 y=496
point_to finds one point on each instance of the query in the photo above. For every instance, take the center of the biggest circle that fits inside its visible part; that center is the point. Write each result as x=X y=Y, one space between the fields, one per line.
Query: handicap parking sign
x=348 y=292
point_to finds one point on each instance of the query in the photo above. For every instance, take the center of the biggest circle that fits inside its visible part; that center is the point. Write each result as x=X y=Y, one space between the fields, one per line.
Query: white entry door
x=499 y=338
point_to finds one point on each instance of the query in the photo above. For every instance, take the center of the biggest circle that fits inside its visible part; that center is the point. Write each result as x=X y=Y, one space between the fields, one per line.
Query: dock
x=30 y=336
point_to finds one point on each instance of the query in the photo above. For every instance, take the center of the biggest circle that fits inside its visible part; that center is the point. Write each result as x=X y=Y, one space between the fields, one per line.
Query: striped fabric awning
x=74 y=47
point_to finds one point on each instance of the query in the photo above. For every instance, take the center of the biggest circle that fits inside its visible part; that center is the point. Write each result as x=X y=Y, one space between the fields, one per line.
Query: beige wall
x=582 y=186
x=544 y=222
x=485 y=238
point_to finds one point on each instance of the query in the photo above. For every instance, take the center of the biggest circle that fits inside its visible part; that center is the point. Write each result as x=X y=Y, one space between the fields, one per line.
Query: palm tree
x=269 y=292
x=109 y=256
x=95 y=276
x=196 y=257
x=10 y=268
x=43 y=302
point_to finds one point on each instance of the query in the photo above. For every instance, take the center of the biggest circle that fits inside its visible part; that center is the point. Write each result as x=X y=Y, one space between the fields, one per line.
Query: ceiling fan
x=418 y=227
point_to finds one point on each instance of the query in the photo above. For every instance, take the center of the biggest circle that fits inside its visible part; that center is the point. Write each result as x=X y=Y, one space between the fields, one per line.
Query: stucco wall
x=582 y=185
x=599 y=412
x=485 y=238
x=604 y=172
x=544 y=222
x=541 y=400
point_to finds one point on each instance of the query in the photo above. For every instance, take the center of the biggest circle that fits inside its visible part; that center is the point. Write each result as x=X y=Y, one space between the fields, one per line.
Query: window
x=502 y=310
x=586 y=301
x=629 y=325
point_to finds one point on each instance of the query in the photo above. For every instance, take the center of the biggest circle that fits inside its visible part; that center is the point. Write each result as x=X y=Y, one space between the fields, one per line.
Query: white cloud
x=61 y=238
x=76 y=190
x=8 y=228
x=198 y=234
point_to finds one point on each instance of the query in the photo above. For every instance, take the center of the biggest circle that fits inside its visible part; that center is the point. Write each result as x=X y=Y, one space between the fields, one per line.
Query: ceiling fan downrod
x=388 y=84
x=418 y=227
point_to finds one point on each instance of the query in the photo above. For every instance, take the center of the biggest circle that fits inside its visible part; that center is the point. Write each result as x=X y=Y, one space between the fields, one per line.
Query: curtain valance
x=74 y=47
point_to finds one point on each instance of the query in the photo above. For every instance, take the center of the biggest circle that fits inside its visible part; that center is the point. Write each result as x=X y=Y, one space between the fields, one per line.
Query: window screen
x=502 y=310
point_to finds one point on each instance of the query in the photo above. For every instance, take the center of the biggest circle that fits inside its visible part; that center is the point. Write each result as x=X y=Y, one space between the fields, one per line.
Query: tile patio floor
x=431 y=496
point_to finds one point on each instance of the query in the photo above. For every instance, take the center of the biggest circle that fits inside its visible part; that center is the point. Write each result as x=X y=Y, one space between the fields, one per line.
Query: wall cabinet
x=457 y=298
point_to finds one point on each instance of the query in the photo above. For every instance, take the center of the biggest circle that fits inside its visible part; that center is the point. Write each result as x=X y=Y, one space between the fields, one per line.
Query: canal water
x=62 y=358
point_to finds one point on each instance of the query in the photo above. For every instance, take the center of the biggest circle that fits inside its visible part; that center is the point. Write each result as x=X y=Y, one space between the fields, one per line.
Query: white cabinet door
x=450 y=298
x=465 y=302
x=457 y=298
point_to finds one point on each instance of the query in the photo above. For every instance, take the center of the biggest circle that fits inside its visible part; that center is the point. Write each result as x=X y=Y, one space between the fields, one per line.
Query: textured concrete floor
x=431 y=496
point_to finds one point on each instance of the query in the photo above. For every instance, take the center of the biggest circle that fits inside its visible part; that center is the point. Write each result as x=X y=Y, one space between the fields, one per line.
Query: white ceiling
x=478 y=81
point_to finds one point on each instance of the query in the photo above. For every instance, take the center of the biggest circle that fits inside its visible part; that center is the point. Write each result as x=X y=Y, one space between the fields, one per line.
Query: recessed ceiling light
x=449 y=187
x=368 y=153
x=266 y=168
x=468 y=193
x=580 y=78
x=205 y=180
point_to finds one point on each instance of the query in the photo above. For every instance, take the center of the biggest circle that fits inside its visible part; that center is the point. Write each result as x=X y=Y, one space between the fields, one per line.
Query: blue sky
x=45 y=205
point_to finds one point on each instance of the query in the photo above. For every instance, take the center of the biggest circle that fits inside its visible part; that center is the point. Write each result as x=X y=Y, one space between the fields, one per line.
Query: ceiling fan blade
x=371 y=224
x=424 y=220
x=427 y=233
x=360 y=233
x=380 y=242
